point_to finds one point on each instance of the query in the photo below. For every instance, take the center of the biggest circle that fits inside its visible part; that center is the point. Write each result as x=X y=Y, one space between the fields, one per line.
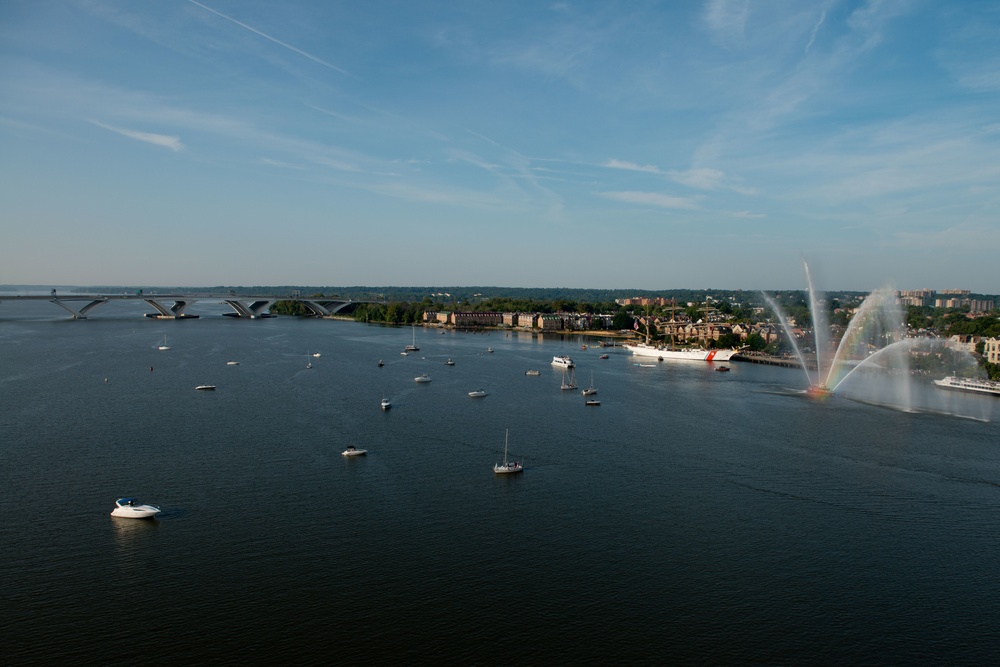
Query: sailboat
x=570 y=382
x=507 y=466
x=590 y=391
x=412 y=347
x=164 y=345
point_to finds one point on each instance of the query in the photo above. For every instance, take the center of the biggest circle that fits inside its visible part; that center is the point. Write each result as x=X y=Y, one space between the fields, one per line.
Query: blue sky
x=607 y=144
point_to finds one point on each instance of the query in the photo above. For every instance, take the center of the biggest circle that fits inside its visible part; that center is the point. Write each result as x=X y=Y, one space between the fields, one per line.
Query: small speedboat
x=449 y=362
x=205 y=387
x=386 y=403
x=489 y=350
x=232 y=363
x=532 y=371
x=722 y=369
x=317 y=354
x=593 y=402
x=479 y=393
x=354 y=451
x=422 y=378
x=129 y=508
x=381 y=363
x=604 y=356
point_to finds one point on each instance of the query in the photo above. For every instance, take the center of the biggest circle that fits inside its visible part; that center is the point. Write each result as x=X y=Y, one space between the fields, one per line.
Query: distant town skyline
x=613 y=145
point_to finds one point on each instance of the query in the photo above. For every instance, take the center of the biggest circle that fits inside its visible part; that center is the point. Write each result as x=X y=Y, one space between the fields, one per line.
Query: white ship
x=689 y=354
x=974 y=385
x=563 y=361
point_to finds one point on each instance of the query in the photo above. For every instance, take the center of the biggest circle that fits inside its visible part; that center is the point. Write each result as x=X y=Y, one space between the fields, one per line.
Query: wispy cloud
x=652 y=199
x=726 y=19
x=631 y=166
x=279 y=164
x=819 y=24
x=706 y=178
x=167 y=141
x=274 y=40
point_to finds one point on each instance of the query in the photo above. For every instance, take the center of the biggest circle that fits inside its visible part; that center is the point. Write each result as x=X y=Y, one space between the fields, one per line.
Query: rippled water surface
x=694 y=517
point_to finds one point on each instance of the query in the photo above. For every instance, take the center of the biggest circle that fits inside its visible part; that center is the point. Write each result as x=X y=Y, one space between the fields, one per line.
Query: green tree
x=756 y=342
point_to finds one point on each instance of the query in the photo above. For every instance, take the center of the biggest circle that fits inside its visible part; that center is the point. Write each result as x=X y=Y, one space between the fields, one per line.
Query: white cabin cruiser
x=129 y=508
x=354 y=451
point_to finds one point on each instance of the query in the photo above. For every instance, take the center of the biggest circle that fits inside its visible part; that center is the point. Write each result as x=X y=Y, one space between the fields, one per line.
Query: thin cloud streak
x=274 y=40
x=164 y=140
x=652 y=199
x=631 y=166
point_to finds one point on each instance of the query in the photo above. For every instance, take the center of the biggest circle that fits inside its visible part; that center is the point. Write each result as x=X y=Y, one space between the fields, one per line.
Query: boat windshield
x=122 y=502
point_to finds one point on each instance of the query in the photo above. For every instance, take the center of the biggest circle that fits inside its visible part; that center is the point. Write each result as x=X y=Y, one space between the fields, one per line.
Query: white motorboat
x=129 y=508
x=449 y=362
x=563 y=361
x=205 y=387
x=232 y=363
x=386 y=403
x=489 y=350
x=317 y=354
x=592 y=402
x=507 y=466
x=354 y=451
x=163 y=345
x=479 y=393
x=422 y=378
x=533 y=372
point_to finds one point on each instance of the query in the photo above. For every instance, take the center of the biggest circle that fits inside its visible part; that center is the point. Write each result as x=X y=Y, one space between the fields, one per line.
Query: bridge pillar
x=253 y=310
x=174 y=312
x=79 y=313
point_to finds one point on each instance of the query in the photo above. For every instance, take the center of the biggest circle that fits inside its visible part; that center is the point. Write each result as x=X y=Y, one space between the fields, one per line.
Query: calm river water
x=695 y=517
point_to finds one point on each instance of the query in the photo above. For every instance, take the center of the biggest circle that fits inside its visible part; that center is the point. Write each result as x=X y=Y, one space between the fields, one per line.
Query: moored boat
x=205 y=387
x=422 y=378
x=354 y=451
x=507 y=466
x=478 y=393
x=685 y=354
x=563 y=361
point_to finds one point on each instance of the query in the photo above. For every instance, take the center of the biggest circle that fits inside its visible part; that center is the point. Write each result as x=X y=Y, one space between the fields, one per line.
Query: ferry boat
x=563 y=361
x=688 y=354
x=974 y=385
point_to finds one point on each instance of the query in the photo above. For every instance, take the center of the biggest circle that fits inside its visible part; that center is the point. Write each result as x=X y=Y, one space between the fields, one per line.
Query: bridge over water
x=173 y=306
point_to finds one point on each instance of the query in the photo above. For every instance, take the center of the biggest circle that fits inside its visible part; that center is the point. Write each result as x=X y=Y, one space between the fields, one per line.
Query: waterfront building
x=475 y=318
x=991 y=350
x=549 y=322
x=962 y=343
